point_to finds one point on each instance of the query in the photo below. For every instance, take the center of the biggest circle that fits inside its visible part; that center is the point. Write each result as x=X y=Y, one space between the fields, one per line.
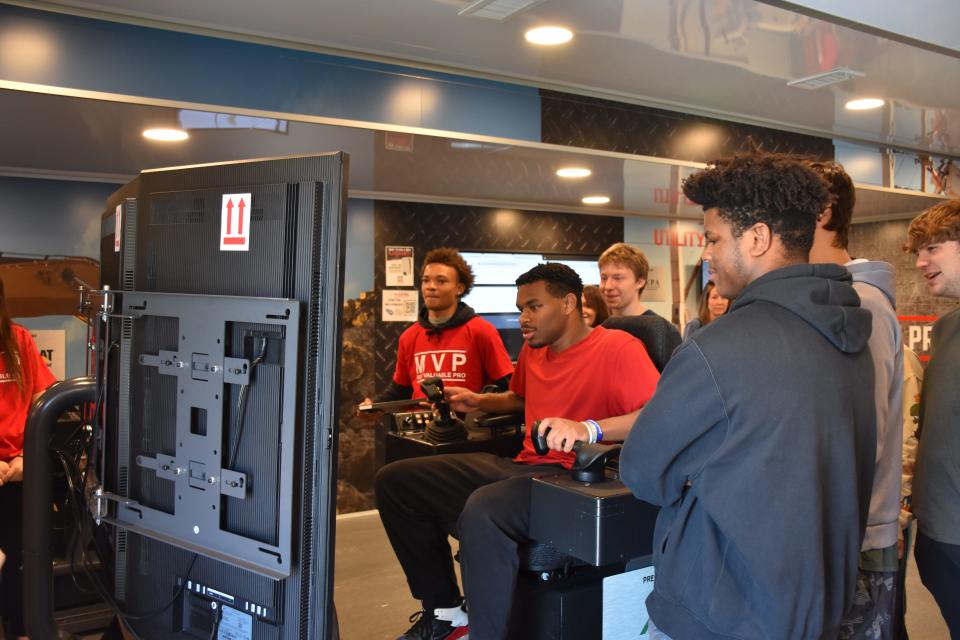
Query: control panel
x=407 y=421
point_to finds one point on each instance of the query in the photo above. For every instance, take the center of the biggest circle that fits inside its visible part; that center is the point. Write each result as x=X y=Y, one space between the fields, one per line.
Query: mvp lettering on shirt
x=445 y=363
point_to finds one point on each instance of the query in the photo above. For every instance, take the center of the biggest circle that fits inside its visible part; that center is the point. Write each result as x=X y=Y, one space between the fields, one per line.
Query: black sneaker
x=426 y=626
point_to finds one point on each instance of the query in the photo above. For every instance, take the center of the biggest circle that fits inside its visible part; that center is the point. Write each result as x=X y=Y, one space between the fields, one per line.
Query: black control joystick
x=591 y=458
x=445 y=426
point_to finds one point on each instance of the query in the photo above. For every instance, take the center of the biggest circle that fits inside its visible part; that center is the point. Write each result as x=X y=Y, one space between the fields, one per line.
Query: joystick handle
x=539 y=439
x=591 y=458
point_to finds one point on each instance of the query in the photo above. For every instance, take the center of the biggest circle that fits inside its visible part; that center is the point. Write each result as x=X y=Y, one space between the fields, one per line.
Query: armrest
x=500 y=420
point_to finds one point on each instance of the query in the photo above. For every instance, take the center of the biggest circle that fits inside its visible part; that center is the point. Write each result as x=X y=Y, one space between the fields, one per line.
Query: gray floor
x=373 y=602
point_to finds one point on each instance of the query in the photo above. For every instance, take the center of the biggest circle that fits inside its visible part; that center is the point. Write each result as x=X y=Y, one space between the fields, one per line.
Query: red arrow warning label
x=235 y=222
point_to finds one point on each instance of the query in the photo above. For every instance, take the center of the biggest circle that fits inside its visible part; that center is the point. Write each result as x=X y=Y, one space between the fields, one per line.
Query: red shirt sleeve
x=37 y=375
x=636 y=377
x=496 y=360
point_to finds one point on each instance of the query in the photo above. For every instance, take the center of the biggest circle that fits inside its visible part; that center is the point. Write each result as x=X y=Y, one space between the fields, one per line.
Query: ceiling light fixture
x=166 y=135
x=863 y=104
x=549 y=36
x=573 y=172
x=595 y=200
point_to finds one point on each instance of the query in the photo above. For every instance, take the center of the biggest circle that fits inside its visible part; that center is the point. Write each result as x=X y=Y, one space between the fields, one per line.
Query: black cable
x=261 y=353
x=82 y=518
x=217 y=617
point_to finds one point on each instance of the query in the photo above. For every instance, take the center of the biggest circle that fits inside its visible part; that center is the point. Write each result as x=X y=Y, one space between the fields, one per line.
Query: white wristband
x=591 y=431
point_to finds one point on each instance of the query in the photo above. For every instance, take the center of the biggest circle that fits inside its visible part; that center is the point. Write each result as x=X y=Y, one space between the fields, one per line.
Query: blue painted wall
x=67 y=51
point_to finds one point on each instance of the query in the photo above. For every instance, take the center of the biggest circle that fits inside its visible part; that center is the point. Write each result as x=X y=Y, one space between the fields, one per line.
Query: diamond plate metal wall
x=579 y=121
x=428 y=226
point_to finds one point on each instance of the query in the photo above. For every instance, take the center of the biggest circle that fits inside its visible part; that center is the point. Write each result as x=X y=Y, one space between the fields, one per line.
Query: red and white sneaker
x=439 y=624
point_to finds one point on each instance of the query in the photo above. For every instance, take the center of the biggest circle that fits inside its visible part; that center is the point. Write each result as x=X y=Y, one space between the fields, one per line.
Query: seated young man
x=449 y=341
x=557 y=373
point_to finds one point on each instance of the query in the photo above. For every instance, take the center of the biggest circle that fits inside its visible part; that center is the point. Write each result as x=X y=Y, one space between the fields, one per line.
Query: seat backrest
x=658 y=335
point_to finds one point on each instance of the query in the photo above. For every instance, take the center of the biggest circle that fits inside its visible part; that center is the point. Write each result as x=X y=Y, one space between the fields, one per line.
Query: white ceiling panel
x=731 y=58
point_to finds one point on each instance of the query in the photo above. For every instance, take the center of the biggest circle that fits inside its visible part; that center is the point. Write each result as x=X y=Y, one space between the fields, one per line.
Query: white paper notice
x=399 y=267
x=234 y=625
x=625 y=605
x=400 y=305
x=52 y=344
x=117 y=228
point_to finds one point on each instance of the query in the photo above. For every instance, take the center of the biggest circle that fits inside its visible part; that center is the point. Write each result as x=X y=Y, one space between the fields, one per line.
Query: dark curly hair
x=451 y=258
x=843 y=197
x=559 y=278
x=777 y=190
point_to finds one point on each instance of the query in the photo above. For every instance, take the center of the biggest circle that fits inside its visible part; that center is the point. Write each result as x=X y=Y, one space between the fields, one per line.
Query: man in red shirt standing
x=596 y=378
x=449 y=341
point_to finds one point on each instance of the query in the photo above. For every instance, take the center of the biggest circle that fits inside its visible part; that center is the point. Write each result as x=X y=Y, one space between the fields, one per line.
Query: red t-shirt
x=14 y=402
x=605 y=375
x=471 y=355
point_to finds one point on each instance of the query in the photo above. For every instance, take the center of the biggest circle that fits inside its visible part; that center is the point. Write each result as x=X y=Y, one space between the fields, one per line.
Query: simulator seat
x=658 y=336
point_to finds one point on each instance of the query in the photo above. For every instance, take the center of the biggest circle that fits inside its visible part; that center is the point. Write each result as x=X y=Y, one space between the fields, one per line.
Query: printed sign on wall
x=399 y=265
x=52 y=344
x=400 y=305
x=657 y=285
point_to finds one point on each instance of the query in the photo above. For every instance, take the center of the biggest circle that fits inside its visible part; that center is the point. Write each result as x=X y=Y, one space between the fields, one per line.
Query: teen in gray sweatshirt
x=873 y=614
x=759 y=442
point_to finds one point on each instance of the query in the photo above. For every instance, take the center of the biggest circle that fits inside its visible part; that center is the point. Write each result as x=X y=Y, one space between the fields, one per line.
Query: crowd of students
x=773 y=440
x=780 y=440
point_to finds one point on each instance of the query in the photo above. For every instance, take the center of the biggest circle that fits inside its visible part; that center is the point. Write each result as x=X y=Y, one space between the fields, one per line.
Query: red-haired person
x=23 y=377
x=934 y=236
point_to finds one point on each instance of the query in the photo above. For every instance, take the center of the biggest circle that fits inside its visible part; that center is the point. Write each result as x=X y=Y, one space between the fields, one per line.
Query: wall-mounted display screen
x=495 y=275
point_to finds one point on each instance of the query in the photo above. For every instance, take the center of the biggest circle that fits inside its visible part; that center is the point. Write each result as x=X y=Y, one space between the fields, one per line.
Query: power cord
x=85 y=535
x=217 y=617
x=260 y=351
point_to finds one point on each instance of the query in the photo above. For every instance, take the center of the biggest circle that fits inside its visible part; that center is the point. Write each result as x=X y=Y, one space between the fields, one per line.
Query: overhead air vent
x=499 y=10
x=840 y=74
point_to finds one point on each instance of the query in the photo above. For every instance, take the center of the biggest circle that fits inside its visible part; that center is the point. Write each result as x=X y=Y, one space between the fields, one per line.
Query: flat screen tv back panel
x=222 y=368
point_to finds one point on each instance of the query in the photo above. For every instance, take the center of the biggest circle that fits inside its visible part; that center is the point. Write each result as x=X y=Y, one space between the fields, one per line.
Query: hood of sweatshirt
x=821 y=295
x=876 y=273
x=461 y=316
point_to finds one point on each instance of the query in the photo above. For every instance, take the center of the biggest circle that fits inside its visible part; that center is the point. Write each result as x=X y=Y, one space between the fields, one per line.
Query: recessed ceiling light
x=596 y=200
x=863 y=104
x=549 y=36
x=573 y=172
x=166 y=135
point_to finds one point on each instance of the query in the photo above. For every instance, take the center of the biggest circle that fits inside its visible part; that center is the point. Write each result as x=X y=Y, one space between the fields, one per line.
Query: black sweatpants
x=488 y=497
x=11 y=542
x=939 y=566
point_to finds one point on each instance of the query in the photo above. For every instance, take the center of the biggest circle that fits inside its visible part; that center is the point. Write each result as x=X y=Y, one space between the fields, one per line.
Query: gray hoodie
x=874 y=282
x=759 y=445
